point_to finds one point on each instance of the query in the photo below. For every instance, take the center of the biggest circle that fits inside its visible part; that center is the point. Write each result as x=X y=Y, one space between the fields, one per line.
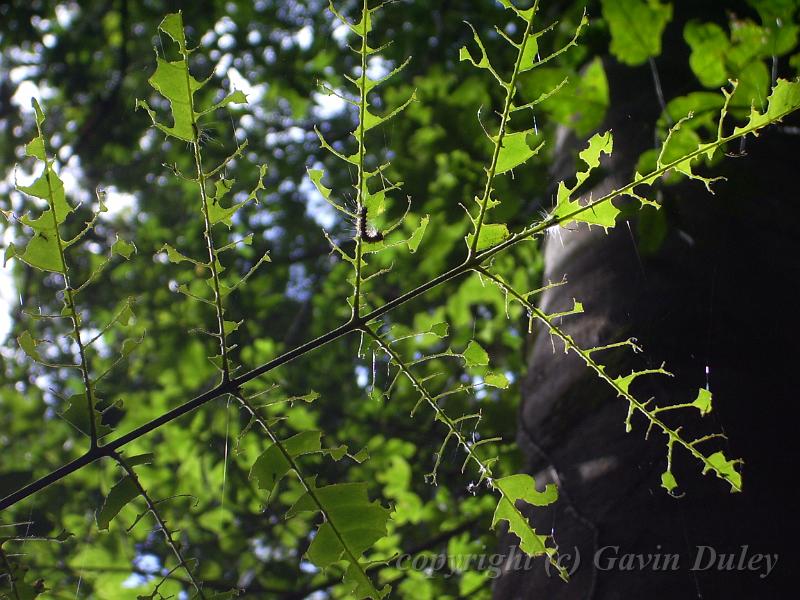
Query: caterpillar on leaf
x=364 y=230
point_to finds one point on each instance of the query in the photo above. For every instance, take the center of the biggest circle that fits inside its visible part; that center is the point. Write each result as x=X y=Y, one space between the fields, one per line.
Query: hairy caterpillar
x=363 y=230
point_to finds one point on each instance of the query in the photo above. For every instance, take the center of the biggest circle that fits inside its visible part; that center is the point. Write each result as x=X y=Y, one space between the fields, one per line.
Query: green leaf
x=28 y=344
x=121 y=494
x=173 y=81
x=415 y=240
x=21 y=589
x=526 y=14
x=598 y=144
x=754 y=80
x=497 y=380
x=123 y=248
x=177 y=257
x=361 y=456
x=575 y=99
x=352 y=158
x=439 y=329
x=41 y=252
x=682 y=142
x=316 y=176
x=36 y=149
x=358 y=585
x=363 y=27
x=359 y=523
x=39 y=113
x=726 y=469
x=483 y=62
x=749 y=44
x=475 y=355
x=624 y=381
x=652 y=229
x=375 y=202
x=222 y=187
x=304 y=442
x=530 y=53
x=703 y=401
x=636 y=27
x=347 y=505
x=272 y=465
x=785 y=98
x=523 y=487
x=515 y=151
x=140 y=459
x=126 y=315
x=709 y=44
x=371 y=120
x=172 y=25
x=368 y=84
x=48 y=186
x=76 y=414
x=231 y=326
x=604 y=214
x=235 y=97
x=218 y=213
x=705 y=107
x=309 y=397
x=668 y=481
x=490 y=235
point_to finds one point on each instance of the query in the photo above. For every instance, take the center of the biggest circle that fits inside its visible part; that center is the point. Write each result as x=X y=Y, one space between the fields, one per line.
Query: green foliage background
x=91 y=60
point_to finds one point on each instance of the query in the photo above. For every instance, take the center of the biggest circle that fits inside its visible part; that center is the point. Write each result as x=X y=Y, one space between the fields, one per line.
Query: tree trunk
x=714 y=304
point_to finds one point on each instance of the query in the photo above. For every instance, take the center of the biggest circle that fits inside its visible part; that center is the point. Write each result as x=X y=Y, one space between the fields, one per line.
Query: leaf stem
x=11 y=581
x=162 y=524
x=309 y=488
x=212 y=256
x=484 y=467
x=570 y=344
x=510 y=93
x=69 y=297
x=361 y=182
x=346 y=328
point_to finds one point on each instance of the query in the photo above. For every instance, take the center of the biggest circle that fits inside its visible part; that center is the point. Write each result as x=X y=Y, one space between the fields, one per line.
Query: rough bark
x=718 y=294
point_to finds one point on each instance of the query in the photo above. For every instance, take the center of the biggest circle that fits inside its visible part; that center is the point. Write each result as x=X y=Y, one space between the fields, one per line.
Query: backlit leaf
x=121 y=494
x=636 y=27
